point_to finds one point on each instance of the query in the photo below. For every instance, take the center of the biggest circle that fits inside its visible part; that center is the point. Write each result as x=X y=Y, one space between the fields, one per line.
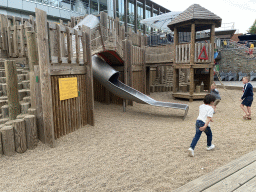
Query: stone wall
x=236 y=60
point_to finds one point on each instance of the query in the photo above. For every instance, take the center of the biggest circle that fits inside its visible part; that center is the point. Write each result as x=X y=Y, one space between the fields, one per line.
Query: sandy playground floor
x=143 y=149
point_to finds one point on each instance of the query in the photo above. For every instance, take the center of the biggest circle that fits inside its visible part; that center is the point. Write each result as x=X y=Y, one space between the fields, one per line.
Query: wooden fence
x=13 y=35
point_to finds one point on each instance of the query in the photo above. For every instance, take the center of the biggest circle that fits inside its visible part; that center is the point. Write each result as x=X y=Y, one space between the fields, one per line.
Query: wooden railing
x=182 y=53
x=202 y=50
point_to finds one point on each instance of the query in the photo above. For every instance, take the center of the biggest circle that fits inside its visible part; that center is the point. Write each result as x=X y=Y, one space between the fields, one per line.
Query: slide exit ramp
x=108 y=77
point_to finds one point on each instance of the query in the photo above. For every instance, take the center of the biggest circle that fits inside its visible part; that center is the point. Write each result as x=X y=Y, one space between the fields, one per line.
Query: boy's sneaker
x=210 y=147
x=191 y=152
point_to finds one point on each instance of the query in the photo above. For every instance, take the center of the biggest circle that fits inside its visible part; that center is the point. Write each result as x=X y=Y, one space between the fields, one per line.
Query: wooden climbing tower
x=195 y=56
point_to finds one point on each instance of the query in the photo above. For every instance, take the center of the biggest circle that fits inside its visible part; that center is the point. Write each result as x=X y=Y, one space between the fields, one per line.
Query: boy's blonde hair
x=246 y=77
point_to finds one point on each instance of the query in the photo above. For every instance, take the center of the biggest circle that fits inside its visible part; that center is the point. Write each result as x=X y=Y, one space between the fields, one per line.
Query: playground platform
x=237 y=176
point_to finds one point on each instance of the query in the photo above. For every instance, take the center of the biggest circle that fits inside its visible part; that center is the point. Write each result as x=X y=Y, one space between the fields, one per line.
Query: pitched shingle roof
x=195 y=12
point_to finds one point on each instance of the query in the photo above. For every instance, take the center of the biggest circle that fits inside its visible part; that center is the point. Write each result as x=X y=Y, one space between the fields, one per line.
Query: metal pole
x=124 y=105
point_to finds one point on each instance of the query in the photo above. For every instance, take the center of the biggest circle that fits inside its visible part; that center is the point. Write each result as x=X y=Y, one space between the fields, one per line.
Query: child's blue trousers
x=207 y=131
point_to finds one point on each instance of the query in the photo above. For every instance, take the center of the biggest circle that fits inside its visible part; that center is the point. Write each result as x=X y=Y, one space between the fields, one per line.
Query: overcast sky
x=241 y=12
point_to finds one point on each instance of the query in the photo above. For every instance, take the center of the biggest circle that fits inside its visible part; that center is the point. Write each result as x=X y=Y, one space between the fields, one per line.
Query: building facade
x=130 y=12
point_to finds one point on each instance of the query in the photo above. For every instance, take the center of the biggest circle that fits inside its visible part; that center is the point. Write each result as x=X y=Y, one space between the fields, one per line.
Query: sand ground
x=143 y=149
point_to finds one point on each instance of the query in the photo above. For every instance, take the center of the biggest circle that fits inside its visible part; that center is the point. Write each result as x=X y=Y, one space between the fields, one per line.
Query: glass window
x=103 y=5
x=120 y=9
x=130 y=12
x=94 y=7
x=140 y=14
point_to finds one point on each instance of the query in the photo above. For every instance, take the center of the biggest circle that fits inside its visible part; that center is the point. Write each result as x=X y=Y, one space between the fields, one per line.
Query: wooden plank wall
x=71 y=114
x=159 y=54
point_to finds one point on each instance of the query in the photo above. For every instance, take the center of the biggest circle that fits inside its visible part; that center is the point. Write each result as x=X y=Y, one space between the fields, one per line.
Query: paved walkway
x=235 y=83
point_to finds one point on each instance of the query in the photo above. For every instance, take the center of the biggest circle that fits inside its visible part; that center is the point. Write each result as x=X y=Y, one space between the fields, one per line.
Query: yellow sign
x=68 y=88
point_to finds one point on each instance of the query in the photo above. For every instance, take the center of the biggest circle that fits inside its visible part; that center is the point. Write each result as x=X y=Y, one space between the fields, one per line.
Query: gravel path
x=143 y=149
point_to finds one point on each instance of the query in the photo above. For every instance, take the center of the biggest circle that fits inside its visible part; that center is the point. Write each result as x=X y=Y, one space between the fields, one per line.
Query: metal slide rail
x=108 y=77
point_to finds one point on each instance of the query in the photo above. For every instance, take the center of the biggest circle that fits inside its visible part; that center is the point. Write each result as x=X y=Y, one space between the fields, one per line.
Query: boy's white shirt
x=204 y=112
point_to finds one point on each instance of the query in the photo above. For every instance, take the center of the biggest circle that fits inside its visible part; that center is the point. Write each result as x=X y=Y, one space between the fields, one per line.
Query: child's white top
x=204 y=112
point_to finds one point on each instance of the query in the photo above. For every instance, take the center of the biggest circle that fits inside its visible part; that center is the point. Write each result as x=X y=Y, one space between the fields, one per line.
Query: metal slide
x=108 y=77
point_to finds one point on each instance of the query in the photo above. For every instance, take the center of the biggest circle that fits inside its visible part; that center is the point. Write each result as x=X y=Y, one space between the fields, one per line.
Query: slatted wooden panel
x=65 y=44
x=138 y=75
x=69 y=115
x=182 y=53
x=198 y=49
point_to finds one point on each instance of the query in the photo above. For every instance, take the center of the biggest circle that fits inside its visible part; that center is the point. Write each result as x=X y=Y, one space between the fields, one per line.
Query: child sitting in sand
x=216 y=93
x=247 y=98
x=203 y=123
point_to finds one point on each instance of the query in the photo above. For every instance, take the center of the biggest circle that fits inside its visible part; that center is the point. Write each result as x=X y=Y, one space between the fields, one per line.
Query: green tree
x=252 y=29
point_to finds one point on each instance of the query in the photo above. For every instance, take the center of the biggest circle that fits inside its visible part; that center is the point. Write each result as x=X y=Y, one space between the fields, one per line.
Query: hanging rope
x=218 y=75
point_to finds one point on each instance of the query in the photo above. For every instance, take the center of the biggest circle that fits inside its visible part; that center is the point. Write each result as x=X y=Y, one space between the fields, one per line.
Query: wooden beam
x=43 y=52
x=212 y=55
x=89 y=76
x=39 y=108
x=4 y=25
x=129 y=65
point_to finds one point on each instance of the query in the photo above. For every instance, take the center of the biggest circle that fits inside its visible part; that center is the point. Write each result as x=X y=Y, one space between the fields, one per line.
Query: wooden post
x=43 y=52
x=39 y=108
x=32 y=49
x=8 y=140
x=89 y=76
x=212 y=55
x=22 y=45
x=31 y=131
x=175 y=75
x=4 y=25
x=12 y=89
x=20 y=135
x=129 y=66
x=9 y=44
x=144 y=76
x=125 y=56
x=148 y=80
x=32 y=21
x=192 y=57
x=33 y=60
x=1 y=145
x=15 y=40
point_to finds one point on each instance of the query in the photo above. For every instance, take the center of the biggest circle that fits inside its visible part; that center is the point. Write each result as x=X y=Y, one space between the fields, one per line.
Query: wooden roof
x=197 y=14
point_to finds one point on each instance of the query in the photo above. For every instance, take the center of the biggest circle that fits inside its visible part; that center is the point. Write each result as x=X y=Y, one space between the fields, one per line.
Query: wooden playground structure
x=53 y=52
x=194 y=56
x=37 y=55
x=50 y=52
